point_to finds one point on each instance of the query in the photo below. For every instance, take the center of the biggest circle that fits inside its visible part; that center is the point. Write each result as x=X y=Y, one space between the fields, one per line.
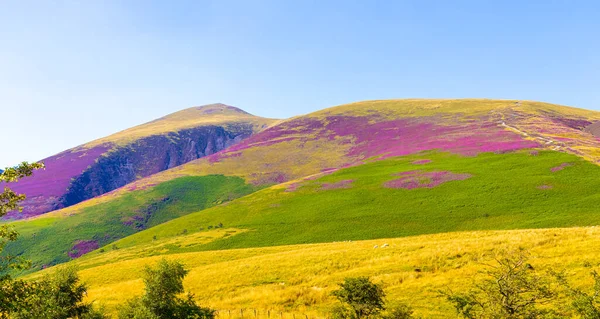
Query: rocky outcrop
x=148 y=156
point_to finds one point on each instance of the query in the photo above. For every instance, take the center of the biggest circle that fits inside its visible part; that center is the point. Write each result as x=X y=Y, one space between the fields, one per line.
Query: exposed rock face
x=148 y=156
x=593 y=129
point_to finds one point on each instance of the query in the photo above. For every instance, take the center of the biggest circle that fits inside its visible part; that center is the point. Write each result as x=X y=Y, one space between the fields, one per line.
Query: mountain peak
x=219 y=108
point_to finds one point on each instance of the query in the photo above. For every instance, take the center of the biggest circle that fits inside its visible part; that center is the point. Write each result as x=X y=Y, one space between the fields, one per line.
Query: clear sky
x=73 y=71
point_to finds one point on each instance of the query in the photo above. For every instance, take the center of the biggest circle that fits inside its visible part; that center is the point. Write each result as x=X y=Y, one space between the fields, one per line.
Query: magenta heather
x=82 y=247
x=422 y=161
x=423 y=179
x=337 y=185
x=560 y=167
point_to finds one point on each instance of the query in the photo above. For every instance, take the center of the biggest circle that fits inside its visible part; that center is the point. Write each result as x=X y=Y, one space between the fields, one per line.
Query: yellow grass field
x=296 y=281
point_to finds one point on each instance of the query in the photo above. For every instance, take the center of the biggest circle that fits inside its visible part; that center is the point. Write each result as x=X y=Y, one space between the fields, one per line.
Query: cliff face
x=148 y=156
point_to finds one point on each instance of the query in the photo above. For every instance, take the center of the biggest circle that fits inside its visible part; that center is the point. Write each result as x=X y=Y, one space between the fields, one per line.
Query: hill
x=339 y=162
x=106 y=164
x=296 y=281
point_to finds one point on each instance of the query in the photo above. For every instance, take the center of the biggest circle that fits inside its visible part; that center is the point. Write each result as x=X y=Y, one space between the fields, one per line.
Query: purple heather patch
x=374 y=136
x=421 y=161
x=545 y=186
x=82 y=247
x=45 y=186
x=347 y=183
x=423 y=179
x=407 y=136
x=560 y=167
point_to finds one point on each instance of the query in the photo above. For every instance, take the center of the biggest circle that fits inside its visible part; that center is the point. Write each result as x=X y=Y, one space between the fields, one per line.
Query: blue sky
x=73 y=71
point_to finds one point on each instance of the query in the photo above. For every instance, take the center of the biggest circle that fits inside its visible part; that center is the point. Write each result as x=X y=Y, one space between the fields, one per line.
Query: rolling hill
x=106 y=164
x=338 y=162
x=276 y=220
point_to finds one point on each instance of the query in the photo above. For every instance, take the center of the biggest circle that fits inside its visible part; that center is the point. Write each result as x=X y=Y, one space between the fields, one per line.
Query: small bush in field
x=513 y=289
x=399 y=312
x=360 y=298
x=162 y=297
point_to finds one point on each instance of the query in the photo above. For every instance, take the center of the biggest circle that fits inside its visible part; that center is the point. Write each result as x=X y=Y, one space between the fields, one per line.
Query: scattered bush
x=399 y=312
x=512 y=290
x=161 y=299
x=360 y=298
x=585 y=304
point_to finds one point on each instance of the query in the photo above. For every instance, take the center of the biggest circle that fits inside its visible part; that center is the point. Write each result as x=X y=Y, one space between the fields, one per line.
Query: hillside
x=106 y=164
x=339 y=162
x=297 y=280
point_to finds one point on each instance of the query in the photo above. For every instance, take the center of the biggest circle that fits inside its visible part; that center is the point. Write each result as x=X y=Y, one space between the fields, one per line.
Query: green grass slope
x=526 y=189
x=51 y=240
x=383 y=134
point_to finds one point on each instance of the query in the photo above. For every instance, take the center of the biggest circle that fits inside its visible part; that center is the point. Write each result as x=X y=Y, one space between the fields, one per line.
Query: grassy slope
x=298 y=279
x=48 y=240
x=503 y=193
x=213 y=114
x=303 y=151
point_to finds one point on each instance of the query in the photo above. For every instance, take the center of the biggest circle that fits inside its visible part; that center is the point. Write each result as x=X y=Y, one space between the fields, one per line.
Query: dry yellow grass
x=299 y=278
x=214 y=114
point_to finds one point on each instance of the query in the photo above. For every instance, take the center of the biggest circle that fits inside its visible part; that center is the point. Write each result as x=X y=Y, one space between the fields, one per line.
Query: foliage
x=360 y=297
x=587 y=305
x=46 y=240
x=512 y=290
x=161 y=300
x=57 y=296
x=9 y=200
x=11 y=291
x=400 y=311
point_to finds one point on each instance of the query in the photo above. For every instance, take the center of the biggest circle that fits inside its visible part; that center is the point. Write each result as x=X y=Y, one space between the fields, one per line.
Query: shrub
x=161 y=299
x=57 y=296
x=360 y=298
x=399 y=312
x=512 y=290
x=587 y=305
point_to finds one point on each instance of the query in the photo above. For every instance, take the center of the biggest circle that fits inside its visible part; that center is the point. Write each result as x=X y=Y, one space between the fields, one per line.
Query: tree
x=587 y=305
x=512 y=290
x=55 y=296
x=360 y=298
x=11 y=291
x=162 y=296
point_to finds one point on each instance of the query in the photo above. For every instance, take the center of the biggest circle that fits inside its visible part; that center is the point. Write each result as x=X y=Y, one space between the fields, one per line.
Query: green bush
x=56 y=296
x=360 y=298
x=162 y=297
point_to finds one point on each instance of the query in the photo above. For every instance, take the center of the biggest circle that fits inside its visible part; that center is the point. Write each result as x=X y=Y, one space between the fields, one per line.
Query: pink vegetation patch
x=545 y=186
x=347 y=183
x=422 y=179
x=45 y=187
x=560 y=167
x=408 y=136
x=420 y=162
x=82 y=247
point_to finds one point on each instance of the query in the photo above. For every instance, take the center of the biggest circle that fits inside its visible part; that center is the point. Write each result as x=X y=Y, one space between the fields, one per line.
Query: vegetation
x=49 y=240
x=161 y=299
x=503 y=192
x=512 y=290
x=360 y=298
x=10 y=290
x=58 y=296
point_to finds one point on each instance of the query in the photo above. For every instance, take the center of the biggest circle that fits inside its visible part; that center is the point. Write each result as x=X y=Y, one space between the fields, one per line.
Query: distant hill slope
x=401 y=196
x=298 y=280
x=347 y=135
x=103 y=165
x=373 y=138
